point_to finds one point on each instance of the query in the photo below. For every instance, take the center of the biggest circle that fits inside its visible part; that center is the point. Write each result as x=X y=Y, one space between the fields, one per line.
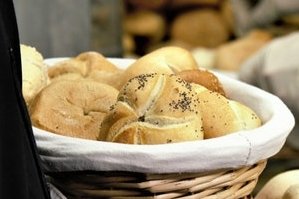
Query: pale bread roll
x=34 y=72
x=154 y=109
x=165 y=60
x=222 y=116
x=278 y=186
x=73 y=108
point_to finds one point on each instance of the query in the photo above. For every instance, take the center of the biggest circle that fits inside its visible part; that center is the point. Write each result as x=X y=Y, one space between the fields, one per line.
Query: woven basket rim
x=222 y=184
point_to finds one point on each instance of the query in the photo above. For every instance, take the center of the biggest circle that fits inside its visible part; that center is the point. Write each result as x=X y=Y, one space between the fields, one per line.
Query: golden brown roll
x=73 y=108
x=69 y=66
x=165 y=60
x=203 y=77
x=200 y=28
x=145 y=23
x=34 y=72
x=222 y=116
x=83 y=64
x=90 y=65
x=154 y=109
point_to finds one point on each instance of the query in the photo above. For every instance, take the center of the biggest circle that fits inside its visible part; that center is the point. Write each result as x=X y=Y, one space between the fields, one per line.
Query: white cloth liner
x=61 y=153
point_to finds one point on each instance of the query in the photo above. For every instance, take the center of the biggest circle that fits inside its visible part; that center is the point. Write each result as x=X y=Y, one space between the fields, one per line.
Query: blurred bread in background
x=231 y=55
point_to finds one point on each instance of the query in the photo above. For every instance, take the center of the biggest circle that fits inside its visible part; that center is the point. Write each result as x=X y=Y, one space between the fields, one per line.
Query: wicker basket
x=223 y=184
x=226 y=167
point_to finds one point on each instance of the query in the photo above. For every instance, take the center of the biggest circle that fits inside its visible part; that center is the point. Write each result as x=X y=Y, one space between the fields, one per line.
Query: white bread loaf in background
x=34 y=72
x=222 y=116
x=154 y=109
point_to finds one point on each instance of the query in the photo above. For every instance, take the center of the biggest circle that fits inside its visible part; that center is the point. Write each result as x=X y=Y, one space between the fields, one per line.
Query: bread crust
x=203 y=77
x=73 y=108
x=222 y=116
x=154 y=109
x=165 y=60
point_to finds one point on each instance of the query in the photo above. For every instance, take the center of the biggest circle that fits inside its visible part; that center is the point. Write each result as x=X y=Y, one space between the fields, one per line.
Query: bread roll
x=73 y=108
x=165 y=60
x=34 y=72
x=154 y=109
x=203 y=77
x=82 y=64
x=200 y=28
x=69 y=66
x=230 y=56
x=222 y=116
x=90 y=65
x=145 y=23
x=278 y=187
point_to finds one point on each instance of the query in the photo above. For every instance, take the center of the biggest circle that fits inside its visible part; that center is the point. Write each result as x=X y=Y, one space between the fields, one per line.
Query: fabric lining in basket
x=222 y=184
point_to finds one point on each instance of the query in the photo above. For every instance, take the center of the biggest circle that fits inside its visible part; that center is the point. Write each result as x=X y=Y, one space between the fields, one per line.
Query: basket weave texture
x=222 y=184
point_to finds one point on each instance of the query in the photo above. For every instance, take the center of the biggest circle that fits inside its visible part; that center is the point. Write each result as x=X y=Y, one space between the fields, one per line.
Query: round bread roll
x=69 y=66
x=73 y=108
x=145 y=23
x=281 y=186
x=165 y=60
x=200 y=28
x=96 y=61
x=83 y=64
x=154 y=109
x=203 y=77
x=222 y=116
x=34 y=72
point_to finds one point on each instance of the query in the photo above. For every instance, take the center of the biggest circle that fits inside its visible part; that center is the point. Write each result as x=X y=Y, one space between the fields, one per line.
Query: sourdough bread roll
x=165 y=60
x=34 y=72
x=73 y=108
x=154 y=109
x=222 y=116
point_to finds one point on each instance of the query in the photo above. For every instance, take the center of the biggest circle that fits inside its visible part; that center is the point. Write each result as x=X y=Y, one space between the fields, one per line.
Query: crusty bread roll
x=73 y=108
x=222 y=116
x=165 y=60
x=203 y=77
x=34 y=72
x=154 y=109
x=90 y=65
x=69 y=66
x=82 y=64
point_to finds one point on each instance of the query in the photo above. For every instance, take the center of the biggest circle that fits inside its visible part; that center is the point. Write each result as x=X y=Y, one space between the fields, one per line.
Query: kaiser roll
x=154 y=109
